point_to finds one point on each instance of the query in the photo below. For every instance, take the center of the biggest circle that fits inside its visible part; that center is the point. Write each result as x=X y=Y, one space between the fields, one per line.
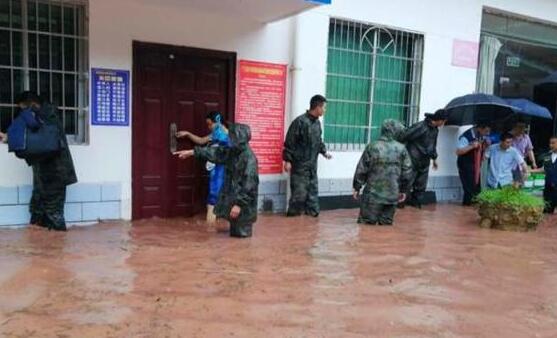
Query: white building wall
x=300 y=42
x=113 y=26
x=441 y=22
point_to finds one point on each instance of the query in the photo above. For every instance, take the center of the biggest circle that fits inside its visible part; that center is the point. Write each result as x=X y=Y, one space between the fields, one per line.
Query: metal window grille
x=373 y=73
x=44 y=48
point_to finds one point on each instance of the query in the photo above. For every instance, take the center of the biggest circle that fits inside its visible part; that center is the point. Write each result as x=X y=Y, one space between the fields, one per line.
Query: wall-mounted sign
x=260 y=104
x=513 y=61
x=465 y=54
x=110 y=101
x=323 y=2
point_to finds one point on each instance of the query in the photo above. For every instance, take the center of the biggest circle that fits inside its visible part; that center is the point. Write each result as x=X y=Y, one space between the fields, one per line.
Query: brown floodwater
x=434 y=274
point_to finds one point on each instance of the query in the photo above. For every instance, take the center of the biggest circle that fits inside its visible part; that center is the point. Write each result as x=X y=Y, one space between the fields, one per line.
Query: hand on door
x=182 y=134
x=183 y=154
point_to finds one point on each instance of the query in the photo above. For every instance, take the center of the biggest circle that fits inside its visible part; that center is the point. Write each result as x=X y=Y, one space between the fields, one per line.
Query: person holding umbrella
x=421 y=143
x=470 y=151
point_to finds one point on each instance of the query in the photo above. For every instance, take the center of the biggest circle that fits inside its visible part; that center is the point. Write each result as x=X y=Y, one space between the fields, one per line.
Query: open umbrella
x=474 y=109
x=477 y=108
x=529 y=108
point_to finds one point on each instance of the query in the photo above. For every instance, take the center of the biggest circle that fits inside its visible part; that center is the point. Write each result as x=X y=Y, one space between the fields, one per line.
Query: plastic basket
x=535 y=183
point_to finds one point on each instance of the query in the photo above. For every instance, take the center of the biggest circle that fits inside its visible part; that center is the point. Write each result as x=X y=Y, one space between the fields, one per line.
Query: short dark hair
x=506 y=136
x=482 y=125
x=554 y=137
x=317 y=101
x=439 y=115
x=214 y=116
x=28 y=98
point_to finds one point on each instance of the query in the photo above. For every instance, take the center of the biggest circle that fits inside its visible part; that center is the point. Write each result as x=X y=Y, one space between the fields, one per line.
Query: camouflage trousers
x=377 y=214
x=304 y=193
x=240 y=229
x=418 y=181
x=47 y=202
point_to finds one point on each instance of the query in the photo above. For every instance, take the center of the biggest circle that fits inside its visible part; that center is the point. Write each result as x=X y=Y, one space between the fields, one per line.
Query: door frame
x=139 y=47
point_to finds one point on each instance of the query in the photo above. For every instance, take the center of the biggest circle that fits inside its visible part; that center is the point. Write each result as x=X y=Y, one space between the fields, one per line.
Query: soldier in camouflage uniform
x=237 y=200
x=421 y=143
x=51 y=175
x=302 y=146
x=384 y=171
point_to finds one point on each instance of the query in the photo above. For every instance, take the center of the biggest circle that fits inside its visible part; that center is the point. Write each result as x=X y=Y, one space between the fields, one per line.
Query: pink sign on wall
x=465 y=54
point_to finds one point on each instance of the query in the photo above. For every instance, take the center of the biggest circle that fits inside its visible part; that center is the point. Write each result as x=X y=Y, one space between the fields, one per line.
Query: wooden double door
x=174 y=88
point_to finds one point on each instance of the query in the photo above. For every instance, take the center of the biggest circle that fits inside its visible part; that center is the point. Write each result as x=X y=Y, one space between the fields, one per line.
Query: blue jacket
x=16 y=131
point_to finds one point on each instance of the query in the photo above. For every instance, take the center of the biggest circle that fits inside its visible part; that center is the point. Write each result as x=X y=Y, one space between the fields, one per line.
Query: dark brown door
x=174 y=88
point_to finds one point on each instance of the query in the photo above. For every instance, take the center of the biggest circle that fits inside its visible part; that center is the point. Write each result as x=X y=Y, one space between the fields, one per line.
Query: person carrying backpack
x=53 y=172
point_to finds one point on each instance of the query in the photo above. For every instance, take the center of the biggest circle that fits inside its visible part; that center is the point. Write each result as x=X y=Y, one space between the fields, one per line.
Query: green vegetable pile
x=509 y=197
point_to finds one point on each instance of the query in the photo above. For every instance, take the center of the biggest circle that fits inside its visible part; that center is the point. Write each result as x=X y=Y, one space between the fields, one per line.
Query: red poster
x=260 y=104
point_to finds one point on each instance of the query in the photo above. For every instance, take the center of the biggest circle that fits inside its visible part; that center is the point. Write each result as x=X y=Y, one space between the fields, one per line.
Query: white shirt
x=553 y=157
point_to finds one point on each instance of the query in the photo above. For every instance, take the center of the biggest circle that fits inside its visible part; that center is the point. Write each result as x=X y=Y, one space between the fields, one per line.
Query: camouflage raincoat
x=241 y=179
x=383 y=171
x=302 y=147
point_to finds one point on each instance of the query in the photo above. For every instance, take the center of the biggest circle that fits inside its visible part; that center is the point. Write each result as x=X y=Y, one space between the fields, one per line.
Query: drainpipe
x=294 y=71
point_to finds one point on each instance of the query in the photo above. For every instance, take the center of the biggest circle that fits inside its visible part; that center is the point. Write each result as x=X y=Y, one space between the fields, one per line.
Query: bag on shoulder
x=41 y=143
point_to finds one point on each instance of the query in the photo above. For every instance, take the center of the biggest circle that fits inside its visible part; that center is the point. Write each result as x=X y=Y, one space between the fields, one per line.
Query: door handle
x=173 y=140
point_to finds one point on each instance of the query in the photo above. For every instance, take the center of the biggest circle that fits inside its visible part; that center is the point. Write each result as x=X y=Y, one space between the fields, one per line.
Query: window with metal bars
x=44 y=48
x=373 y=73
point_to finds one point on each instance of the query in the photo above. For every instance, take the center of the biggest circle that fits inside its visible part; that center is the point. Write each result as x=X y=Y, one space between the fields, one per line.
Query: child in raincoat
x=218 y=137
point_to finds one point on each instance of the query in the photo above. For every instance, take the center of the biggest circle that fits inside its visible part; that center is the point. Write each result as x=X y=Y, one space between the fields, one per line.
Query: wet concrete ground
x=434 y=274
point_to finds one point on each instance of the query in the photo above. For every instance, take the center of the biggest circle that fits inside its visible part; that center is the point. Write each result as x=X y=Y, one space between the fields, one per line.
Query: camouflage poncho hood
x=391 y=129
x=240 y=135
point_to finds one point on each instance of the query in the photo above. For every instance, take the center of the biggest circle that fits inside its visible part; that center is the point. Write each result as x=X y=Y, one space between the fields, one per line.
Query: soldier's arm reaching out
x=217 y=155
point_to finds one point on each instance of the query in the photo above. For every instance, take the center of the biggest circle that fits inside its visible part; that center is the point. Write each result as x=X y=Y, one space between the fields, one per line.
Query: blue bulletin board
x=110 y=101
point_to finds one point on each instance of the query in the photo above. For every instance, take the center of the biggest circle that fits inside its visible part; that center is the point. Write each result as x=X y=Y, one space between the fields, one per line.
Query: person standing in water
x=237 y=202
x=217 y=137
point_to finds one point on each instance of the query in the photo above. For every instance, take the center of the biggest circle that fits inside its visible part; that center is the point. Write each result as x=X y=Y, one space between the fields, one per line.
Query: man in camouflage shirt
x=237 y=200
x=383 y=171
x=302 y=147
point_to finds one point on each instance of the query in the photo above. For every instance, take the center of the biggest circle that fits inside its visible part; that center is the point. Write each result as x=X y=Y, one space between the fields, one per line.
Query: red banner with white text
x=260 y=103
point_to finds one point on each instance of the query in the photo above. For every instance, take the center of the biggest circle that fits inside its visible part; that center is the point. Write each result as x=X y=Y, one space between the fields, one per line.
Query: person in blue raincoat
x=217 y=137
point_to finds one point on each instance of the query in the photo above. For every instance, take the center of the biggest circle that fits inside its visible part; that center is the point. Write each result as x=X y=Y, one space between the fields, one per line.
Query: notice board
x=260 y=103
x=110 y=101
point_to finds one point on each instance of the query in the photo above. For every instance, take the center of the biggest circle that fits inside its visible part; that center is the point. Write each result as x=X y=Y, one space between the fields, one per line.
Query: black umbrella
x=477 y=108
x=530 y=109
